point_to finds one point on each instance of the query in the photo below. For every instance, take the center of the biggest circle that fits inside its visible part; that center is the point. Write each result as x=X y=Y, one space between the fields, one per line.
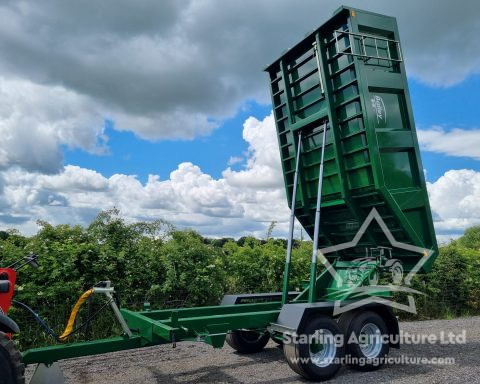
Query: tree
x=270 y=229
x=471 y=238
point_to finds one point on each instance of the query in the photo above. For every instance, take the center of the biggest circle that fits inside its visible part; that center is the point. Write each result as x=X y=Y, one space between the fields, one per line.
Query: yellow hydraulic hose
x=71 y=321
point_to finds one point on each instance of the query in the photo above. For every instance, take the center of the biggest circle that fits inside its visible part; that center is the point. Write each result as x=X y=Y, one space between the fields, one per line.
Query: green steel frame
x=329 y=131
x=207 y=324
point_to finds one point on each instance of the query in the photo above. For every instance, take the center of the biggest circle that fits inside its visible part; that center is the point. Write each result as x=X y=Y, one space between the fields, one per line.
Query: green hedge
x=154 y=262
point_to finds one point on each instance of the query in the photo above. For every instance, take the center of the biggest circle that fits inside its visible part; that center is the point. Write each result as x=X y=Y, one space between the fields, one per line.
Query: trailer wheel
x=367 y=328
x=247 y=341
x=12 y=370
x=316 y=354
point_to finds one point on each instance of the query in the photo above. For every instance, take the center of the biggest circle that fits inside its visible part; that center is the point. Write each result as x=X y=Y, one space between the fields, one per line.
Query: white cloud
x=455 y=201
x=76 y=179
x=455 y=142
x=446 y=239
x=36 y=120
x=235 y=160
x=238 y=204
x=171 y=70
x=176 y=69
x=263 y=165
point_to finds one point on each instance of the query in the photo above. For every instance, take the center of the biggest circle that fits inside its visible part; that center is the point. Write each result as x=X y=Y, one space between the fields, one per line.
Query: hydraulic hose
x=69 y=330
x=73 y=315
x=38 y=319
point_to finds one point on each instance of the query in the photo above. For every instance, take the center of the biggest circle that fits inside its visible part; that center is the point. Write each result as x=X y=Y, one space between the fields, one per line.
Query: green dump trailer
x=349 y=75
x=342 y=112
x=355 y=182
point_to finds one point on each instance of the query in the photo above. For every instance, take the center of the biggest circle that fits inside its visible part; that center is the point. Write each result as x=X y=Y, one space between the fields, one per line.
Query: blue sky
x=452 y=107
x=130 y=154
x=163 y=110
x=449 y=107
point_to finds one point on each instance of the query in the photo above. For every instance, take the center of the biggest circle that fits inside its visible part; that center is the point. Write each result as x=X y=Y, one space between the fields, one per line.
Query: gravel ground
x=200 y=363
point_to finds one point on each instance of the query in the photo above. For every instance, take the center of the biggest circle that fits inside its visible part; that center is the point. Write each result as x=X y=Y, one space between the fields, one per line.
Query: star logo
x=426 y=253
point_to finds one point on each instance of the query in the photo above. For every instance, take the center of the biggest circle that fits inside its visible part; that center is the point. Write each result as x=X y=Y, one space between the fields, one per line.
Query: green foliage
x=193 y=271
x=471 y=238
x=154 y=262
x=258 y=266
x=447 y=281
x=143 y=260
x=452 y=288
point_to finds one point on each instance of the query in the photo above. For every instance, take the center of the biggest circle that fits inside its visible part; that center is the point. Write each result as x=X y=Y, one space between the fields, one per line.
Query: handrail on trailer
x=362 y=37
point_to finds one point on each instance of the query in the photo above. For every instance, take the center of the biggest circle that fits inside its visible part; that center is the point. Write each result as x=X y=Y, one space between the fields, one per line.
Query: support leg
x=313 y=267
x=292 y=224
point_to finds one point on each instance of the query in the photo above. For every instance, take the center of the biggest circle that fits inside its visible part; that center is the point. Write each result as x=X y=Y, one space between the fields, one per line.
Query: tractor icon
x=376 y=261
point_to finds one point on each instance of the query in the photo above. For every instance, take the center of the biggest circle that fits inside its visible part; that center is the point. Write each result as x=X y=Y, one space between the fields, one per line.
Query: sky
x=162 y=109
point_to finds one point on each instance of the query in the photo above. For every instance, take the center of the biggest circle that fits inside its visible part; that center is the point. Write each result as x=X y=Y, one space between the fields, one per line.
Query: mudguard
x=294 y=316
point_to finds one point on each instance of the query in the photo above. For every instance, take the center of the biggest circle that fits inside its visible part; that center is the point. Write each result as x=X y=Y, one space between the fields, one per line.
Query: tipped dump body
x=350 y=75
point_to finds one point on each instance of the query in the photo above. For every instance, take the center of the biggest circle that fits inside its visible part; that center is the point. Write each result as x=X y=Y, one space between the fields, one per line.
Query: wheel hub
x=371 y=343
x=323 y=348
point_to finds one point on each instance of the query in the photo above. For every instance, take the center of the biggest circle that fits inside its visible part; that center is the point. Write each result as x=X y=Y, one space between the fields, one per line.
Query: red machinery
x=8 y=277
x=11 y=364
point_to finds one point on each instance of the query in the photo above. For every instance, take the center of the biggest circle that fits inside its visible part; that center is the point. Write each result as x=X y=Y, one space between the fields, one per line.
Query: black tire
x=352 y=323
x=246 y=342
x=301 y=356
x=12 y=370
